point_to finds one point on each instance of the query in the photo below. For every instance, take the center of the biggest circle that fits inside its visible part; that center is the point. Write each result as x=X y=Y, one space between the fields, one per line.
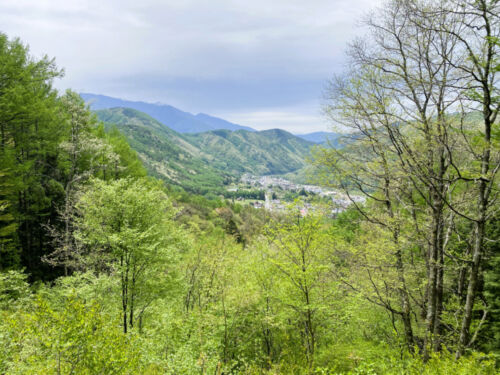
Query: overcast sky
x=260 y=63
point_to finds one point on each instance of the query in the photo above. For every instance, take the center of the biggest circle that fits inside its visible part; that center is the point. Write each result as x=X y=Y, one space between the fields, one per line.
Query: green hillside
x=164 y=152
x=205 y=161
x=266 y=152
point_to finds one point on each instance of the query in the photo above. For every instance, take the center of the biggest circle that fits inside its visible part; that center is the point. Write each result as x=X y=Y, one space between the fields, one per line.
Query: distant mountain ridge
x=203 y=161
x=185 y=122
x=174 y=118
x=321 y=137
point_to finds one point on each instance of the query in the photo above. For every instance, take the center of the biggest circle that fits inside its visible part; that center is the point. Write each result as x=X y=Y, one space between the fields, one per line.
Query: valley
x=206 y=162
x=264 y=169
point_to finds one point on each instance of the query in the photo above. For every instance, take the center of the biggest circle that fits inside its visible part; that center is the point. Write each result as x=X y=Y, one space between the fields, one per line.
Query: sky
x=259 y=63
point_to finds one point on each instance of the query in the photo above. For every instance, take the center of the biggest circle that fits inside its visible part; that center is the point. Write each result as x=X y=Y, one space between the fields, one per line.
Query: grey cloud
x=214 y=55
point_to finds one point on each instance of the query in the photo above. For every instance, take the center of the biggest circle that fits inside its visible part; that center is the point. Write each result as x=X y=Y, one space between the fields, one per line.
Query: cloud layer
x=258 y=61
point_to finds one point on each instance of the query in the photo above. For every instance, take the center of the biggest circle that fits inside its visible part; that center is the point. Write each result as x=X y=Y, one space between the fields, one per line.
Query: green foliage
x=130 y=164
x=127 y=226
x=29 y=140
x=14 y=289
x=246 y=194
x=438 y=364
x=267 y=152
x=48 y=147
x=8 y=227
x=298 y=253
x=73 y=336
x=491 y=333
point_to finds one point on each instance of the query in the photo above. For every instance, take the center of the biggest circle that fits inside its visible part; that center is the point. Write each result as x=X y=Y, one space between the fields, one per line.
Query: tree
x=478 y=33
x=76 y=161
x=68 y=336
x=491 y=334
x=30 y=134
x=8 y=226
x=297 y=249
x=127 y=228
x=86 y=151
x=423 y=63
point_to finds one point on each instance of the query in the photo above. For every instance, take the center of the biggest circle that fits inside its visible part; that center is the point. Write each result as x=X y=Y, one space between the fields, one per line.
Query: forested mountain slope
x=164 y=152
x=206 y=160
x=266 y=152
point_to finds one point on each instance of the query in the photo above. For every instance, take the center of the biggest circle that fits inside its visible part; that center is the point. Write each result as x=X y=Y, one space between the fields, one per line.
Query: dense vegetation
x=105 y=270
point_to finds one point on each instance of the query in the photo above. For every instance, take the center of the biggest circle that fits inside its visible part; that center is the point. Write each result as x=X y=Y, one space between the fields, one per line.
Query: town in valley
x=275 y=193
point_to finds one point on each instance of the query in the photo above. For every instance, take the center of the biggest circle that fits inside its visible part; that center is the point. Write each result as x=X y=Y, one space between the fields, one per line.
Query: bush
x=76 y=337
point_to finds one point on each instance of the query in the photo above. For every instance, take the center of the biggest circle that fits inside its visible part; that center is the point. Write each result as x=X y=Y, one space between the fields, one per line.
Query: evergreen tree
x=30 y=133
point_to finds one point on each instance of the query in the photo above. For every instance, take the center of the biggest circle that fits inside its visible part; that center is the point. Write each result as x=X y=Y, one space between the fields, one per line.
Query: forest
x=106 y=269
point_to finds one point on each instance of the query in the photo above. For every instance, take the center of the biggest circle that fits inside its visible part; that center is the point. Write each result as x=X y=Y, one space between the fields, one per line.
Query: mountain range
x=185 y=122
x=175 y=119
x=203 y=162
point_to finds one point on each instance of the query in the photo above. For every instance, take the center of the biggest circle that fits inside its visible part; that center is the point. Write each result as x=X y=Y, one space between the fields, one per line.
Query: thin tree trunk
x=472 y=288
x=432 y=286
x=124 y=296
